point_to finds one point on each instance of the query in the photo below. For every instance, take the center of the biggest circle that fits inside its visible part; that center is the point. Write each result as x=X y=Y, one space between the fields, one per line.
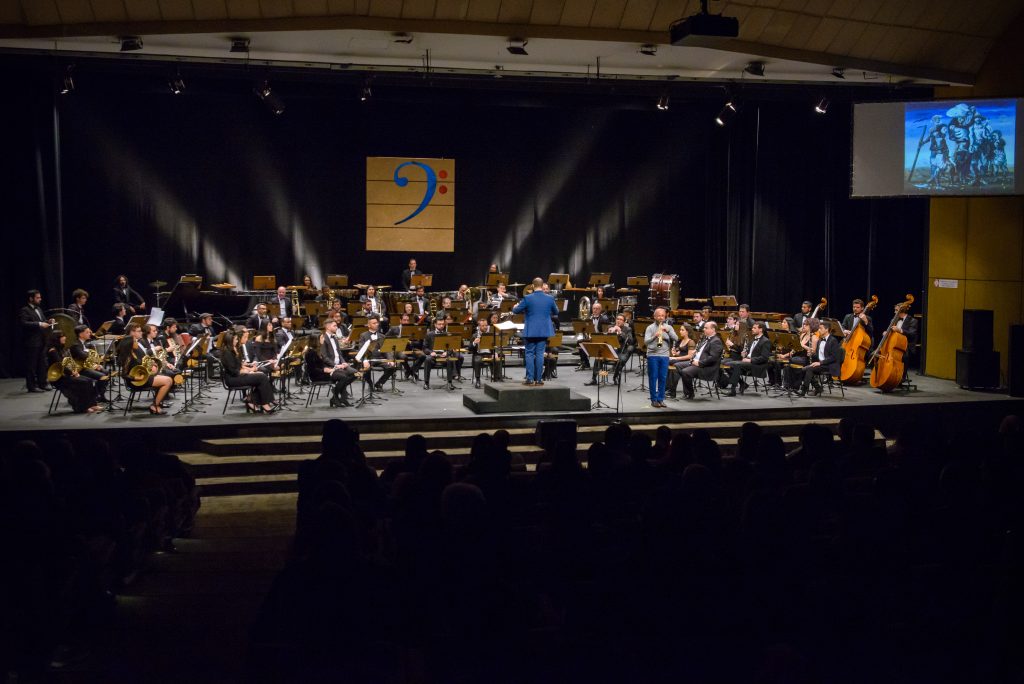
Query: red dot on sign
x=443 y=189
x=442 y=173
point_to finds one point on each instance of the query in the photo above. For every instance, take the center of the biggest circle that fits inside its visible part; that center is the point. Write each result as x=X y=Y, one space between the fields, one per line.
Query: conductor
x=539 y=309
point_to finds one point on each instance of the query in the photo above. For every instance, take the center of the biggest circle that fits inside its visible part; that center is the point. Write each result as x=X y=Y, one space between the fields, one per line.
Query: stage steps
x=249 y=465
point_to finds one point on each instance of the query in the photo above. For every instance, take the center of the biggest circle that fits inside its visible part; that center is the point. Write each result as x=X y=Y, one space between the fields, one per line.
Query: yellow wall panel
x=945 y=328
x=386 y=192
x=385 y=216
x=994 y=238
x=1004 y=298
x=410 y=240
x=947 y=236
x=383 y=168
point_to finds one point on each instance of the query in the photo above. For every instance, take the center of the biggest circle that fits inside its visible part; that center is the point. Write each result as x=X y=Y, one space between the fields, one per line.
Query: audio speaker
x=1015 y=362
x=976 y=369
x=978 y=330
x=550 y=432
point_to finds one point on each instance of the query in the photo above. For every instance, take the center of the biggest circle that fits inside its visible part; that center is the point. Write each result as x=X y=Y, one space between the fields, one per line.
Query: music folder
x=424 y=279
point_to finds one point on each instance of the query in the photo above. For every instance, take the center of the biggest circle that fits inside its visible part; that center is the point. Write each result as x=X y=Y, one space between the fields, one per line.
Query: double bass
x=887 y=371
x=856 y=347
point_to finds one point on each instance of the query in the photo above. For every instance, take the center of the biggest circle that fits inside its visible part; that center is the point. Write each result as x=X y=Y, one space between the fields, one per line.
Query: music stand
x=494 y=278
x=601 y=351
x=639 y=330
x=104 y=327
x=506 y=306
x=557 y=281
x=264 y=282
x=638 y=281
x=394 y=346
x=724 y=301
x=424 y=279
x=446 y=344
x=834 y=327
x=337 y=280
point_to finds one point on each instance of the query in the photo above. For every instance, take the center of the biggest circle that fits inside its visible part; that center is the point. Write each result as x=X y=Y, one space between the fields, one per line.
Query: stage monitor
x=936 y=148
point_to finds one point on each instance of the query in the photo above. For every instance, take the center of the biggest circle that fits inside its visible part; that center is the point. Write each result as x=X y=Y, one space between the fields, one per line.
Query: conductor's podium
x=512 y=397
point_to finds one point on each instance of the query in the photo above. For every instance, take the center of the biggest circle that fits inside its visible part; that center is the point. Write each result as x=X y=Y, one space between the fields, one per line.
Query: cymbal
x=223 y=286
x=383 y=287
x=158 y=283
x=516 y=284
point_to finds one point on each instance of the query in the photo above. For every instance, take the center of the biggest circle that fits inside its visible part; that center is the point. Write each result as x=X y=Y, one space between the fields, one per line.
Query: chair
x=832 y=381
x=707 y=378
x=314 y=385
x=134 y=392
x=757 y=373
x=54 y=402
x=232 y=392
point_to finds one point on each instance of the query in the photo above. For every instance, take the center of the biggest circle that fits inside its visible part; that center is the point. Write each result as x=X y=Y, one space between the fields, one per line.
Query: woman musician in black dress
x=238 y=374
x=130 y=354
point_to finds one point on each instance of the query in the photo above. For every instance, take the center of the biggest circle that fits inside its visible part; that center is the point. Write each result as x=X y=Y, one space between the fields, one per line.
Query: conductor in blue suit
x=539 y=309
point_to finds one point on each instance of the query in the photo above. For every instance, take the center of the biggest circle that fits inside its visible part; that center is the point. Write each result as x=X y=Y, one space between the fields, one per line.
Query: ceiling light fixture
x=517 y=46
x=754 y=68
x=662 y=104
x=239 y=45
x=68 y=84
x=176 y=84
x=366 y=94
x=839 y=72
x=268 y=97
x=822 y=106
x=404 y=38
x=130 y=43
x=649 y=49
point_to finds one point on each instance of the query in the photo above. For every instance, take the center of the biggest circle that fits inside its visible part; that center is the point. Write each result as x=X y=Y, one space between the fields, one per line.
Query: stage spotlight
x=68 y=84
x=130 y=43
x=366 y=94
x=517 y=46
x=822 y=105
x=177 y=84
x=754 y=68
x=649 y=49
x=839 y=72
x=724 y=116
x=269 y=98
x=239 y=45
x=662 y=103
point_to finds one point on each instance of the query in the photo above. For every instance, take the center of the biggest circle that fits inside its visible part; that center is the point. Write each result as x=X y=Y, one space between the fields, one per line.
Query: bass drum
x=664 y=291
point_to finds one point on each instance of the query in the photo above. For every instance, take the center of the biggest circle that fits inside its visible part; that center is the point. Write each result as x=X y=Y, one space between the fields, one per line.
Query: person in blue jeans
x=539 y=309
x=658 y=339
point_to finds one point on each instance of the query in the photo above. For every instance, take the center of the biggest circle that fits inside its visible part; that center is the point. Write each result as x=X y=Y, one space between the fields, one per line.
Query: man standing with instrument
x=805 y=312
x=34 y=327
x=858 y=313
x=659 y=339
x=539 y=309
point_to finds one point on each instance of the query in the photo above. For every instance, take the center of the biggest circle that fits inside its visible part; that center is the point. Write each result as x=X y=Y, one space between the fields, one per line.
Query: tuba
x=584 y=311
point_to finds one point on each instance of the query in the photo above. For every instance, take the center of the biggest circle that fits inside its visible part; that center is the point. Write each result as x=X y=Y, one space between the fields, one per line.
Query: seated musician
x=284 y=335
x=375 y=337
x=170 y=340
x=328 y=363
x=754 y=357
x=237 y=373
x=119 y=321
x=597 y=322
x=500 y=295
x=805 y=311
x=680 y=354
x=342 y=331
x=824 y=357
x=412 y=358
x=451 y=359
x=258 y=319
x=420 y=306
x=310 y=292
x=264 y=348
x=204 y=326
x=77 y=306
x=860 y=314
x=371 y=297
x=284 y=304
x=130 y=353
x=462 y=295
x=124 y=294
x=797 y=357
x=625 y=335
x=482 y=347
x=80 y=352
x=733 y=338
x=79 y=391
x=151 y=346
x=695 y=326
x=707 y=355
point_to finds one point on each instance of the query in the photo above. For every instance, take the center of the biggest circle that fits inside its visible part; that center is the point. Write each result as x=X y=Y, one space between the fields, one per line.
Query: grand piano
x=187 y=299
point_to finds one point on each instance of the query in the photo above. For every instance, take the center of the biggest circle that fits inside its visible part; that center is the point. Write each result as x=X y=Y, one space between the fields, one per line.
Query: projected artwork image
x=959 y=148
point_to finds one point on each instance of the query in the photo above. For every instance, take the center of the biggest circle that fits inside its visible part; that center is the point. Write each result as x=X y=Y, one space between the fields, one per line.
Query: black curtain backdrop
x=155 y=185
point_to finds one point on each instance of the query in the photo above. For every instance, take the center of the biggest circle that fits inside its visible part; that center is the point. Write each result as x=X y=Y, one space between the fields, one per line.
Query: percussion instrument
x=664 y=290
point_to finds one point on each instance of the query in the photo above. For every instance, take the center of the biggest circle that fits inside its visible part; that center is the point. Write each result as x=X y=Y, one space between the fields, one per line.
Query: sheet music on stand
x=362 y=350
x=156 y=316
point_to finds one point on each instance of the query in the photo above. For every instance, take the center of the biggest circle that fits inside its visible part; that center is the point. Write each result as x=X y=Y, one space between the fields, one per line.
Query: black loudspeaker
x=978 y=324
x=550 y=432
x=1015 y=362
x=977 y=370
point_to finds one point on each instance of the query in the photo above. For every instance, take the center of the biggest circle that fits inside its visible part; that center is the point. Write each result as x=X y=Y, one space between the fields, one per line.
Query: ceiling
x=922 y=41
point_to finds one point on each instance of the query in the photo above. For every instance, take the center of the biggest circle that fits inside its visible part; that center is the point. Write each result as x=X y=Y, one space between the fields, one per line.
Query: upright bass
x=856 y=348
x=888 y=369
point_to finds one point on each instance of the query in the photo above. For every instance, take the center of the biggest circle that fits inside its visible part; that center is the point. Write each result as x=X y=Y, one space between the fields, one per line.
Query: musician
x=421 y=307
x=540 y=309
x=332 y=365
x=259 y=319
x=598 y=320
x=119 y=321
x=371 y=297
x=733 y=339
x=824 y=357
x=77 y=306
x=755 y=356
x=681 y=352
x=799 y=357
x=483 y=343
x=906 y=324
x=858 y=314
x=462 y=295
x=79 y=391
x=171 y=340
x=375 y=337
x=694 y=328
x=263 y=348
x=659 y=339
x=130 y=354
x=805 y=312
x=203 y=327
x=80 y=352
x=412 y=358
x=341 y=314
x=500 y=295
x=150 y=343
x=407 y=275
x=343 y=330
x=452 y=360
x=124 y=294
x=284 y=304
x=284 y=335
x=34 y=327
x=708 y=354
x=625 y=341
x=239 y=374
x=307 y=282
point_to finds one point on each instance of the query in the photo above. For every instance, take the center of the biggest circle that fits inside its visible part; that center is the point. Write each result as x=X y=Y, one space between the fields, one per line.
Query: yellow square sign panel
x=410 y=204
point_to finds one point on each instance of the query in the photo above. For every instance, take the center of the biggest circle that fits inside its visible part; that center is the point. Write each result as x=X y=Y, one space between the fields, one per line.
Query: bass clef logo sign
x=410 y=204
